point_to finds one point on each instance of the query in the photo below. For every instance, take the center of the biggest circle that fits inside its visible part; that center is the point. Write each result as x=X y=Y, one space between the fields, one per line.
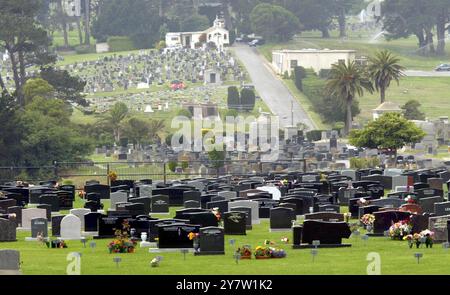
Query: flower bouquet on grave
x=122 y=243
x=428 y=236
x=368 y=220
x=245 y=252
x=412 y=239
x=195 y=238
x=58 y=244
x=363 y=202
x=400 y=229
x=81 y=194
x=262 y=252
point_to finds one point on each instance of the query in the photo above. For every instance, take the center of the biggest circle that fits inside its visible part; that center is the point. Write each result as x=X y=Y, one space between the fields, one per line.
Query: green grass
x=74 y=40
x=396 y=258
x=432 y=93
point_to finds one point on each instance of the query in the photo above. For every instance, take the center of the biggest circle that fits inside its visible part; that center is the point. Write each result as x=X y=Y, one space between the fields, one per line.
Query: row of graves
x=148 y=67
x=214 y=207
x=141 y=70
x=160 y=100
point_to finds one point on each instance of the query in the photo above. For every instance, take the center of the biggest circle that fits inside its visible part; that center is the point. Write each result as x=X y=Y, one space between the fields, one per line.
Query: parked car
x=177 y=85
x=256 y=42
x=443 y=67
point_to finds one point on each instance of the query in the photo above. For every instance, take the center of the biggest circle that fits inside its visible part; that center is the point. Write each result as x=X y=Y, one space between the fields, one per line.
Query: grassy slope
x=431 y=92
x=396 y=258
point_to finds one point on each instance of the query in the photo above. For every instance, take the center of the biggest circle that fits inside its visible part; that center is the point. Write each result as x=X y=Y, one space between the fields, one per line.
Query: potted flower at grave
x=195 y=238
x=245 y=252
x=368 y=220
x=413 y=239
x=122 y=242
x=400 y=229
x=428 y=235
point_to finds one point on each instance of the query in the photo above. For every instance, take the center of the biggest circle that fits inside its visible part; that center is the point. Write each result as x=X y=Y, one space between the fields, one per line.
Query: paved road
x=414 y=73
x=271 y=89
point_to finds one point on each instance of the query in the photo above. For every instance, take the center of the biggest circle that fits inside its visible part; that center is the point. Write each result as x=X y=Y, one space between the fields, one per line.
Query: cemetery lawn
x=396 y=257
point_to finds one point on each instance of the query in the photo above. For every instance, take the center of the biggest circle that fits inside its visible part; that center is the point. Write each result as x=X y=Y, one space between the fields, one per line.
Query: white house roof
x=388 y=106
x=214 y=29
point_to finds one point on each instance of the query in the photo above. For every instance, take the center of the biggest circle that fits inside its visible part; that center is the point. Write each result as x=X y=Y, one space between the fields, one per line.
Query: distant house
x=217 y=34
x=386 y=107
x=286 y=60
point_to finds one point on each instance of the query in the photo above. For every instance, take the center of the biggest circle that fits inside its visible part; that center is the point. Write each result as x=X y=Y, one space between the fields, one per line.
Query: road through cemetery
x=274 y=93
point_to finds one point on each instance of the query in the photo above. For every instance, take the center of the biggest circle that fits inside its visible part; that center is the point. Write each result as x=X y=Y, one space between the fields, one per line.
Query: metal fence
x=79 y=172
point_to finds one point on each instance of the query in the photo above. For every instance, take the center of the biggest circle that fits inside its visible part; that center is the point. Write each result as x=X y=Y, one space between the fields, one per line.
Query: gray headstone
x=29 y=214
x=39 y=226
x=7 y=231
x=9 y=260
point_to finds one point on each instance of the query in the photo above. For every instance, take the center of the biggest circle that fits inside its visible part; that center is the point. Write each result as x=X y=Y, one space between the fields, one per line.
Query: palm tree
x=382 y=69
x=114 y=118
x=156 y=127
x=346 y=81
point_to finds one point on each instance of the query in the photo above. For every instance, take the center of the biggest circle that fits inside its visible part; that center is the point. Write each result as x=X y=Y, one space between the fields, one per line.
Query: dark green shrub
x=233 y=99
x=248 y=99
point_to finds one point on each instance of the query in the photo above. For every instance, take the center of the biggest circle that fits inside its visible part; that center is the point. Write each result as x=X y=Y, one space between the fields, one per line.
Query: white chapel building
x=217 y=34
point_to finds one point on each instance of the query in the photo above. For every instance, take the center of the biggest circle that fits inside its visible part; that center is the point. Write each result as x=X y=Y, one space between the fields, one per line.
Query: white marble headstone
x=276 y=193
x=71 y=227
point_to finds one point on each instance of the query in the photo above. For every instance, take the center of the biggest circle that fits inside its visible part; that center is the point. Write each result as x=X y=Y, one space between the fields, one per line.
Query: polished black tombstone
x=93 y=206
x=135 y=209
x=330 y=234
x=325 y=216
x=204 y=219
x=329 y=208
x=384 y=220
x=91 y=221
x=143 y=200
x=221 y=205
x=281 y=218
x=56 y=225
x=299 y=208
x=174 y=193
x=184 y=213
x=211 y=241
x=103 y=190
x=50 y=199
x=235 y=223
x=68 y=188
x=66 y=200
x=192 y=196
x=6 y=203
x=176 y=235
x=94 y=197
x=248 y=212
